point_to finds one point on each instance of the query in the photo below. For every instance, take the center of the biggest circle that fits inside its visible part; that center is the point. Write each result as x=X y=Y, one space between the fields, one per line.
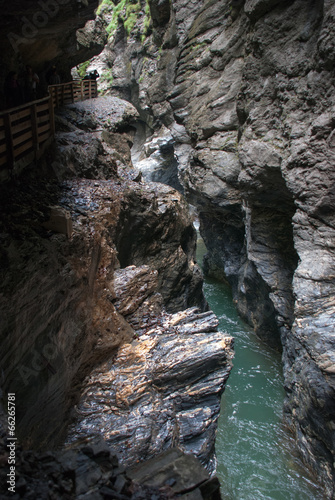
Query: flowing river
x=257 y=458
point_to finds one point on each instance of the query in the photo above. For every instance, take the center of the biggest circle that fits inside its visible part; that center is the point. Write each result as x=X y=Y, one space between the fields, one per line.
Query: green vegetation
x=199 y=46
x=160 y=50
x=116 y=12
x=147 y=8
x=147 y=21
x=107 y=76
x=144 y=71
x=103 y=4
x=128 y=11
x=81 y=68
x=132 y=11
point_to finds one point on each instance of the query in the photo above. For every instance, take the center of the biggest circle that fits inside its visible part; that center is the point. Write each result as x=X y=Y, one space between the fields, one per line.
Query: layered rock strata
x=91 y=258
x=93 y=471
x=162 y=390
x=245 y=90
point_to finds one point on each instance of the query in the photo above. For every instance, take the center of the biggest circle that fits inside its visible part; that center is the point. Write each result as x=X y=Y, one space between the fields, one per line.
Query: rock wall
x=68 y=227
x=161 y=391
x=245 y=90
x=92 y=470
x=91 y=260
x=46 y=33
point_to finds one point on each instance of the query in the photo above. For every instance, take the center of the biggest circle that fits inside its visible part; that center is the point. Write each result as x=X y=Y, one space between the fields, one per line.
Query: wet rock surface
x=65 y=288
x=161 y=390
x=158 y=231
x=92 y=471
x=245 y=90
x=181 y=473
x=91 y=257
x=157 y=159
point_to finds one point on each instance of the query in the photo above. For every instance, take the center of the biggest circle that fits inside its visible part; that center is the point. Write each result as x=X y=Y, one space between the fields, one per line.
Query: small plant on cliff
x=128 y=11
x=103 y=5
x=82 y=68
x=107 y=76
x=117 y=9
x=147 y=21
x=132 y=11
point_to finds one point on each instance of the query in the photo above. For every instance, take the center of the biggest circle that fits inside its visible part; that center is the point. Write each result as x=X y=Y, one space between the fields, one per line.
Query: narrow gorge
x=227 y=105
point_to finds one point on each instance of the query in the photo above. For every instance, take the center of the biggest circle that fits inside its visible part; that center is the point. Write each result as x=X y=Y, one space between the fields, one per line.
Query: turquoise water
x=257 y=457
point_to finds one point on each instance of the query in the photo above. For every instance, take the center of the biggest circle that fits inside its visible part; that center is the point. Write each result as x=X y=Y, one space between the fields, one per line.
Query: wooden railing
x=67 y=93
x=25 y=131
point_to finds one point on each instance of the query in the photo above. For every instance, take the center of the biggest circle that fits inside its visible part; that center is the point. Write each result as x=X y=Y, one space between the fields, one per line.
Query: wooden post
x=77 y=87
x=9 y=139
x=72 y=91
x=57 y=96
x=52 y=116
x=81 y=90
x=54 y=96
x=34 y=126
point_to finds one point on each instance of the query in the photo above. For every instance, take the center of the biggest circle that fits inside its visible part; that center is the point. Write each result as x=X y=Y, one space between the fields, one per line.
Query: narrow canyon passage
x=231 y=105
x=257 y=457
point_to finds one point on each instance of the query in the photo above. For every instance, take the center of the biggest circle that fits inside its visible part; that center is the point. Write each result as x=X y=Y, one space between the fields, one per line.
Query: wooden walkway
x=26 y=131
x=67 y=93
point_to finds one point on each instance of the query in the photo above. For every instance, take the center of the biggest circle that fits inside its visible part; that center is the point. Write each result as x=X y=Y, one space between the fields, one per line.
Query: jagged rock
x=45 y=34
x=132 y=286
x=79 y=304
x=99 y=155
x=58 y=291
x=156 y=160
x=181 y=472
x=160 y=11
x=251 y=85
x=158 y=231
x=79 y=473
x=162 y=390
x=256 y=8
x=59 y=222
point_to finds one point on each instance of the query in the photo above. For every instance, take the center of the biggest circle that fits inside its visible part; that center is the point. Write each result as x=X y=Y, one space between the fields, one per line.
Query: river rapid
x=257 y=456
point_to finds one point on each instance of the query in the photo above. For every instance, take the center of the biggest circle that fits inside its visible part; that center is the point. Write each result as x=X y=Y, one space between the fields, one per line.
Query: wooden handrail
x=24 y=106
x=25 y=131
x=70 y=92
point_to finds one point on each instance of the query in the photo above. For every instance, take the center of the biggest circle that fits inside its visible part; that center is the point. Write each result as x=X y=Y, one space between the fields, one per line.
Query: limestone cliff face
x=242 y=91
x=73 y=233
